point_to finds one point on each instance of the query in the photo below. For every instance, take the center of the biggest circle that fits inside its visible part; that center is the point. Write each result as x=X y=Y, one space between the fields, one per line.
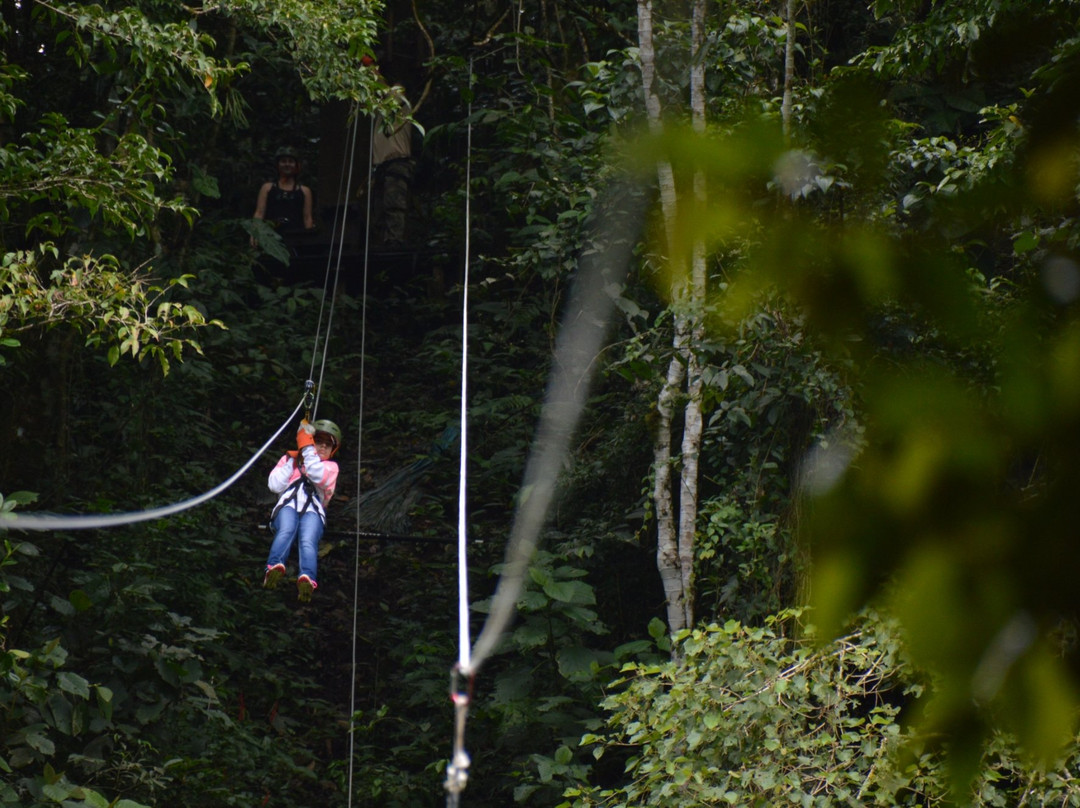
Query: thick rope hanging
x=34 y=521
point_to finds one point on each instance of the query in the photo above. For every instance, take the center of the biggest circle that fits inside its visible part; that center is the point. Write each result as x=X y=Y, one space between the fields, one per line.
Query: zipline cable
x=34 y=521
x=463 y=577
x=309 y=402
x=337 y=235
x=326 y=282
x=341 y=248
x=359 y=457
x=457 y=770
x=322 y=308
x=602 y=268
x=577 y=346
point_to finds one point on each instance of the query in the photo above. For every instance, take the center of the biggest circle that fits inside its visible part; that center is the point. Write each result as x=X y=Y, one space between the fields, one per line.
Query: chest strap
x=292 y=493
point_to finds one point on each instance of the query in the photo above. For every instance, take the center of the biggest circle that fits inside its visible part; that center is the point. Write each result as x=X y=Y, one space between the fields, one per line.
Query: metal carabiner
x=309 y=398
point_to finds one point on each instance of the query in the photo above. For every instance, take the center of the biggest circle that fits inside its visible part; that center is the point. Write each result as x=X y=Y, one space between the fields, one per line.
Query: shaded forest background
x=880 y=568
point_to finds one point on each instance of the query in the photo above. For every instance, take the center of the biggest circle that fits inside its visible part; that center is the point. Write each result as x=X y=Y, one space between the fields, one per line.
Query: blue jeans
x=288 y=525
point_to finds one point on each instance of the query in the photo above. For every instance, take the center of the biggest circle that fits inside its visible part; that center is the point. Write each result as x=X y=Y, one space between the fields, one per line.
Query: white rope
x=464 y=640
x=579 y=342
x=457 y=770
x=359 y=459
x=337 y=267
x=322 y=299
x=344 y=181
x=34 y=521
x=577 y=346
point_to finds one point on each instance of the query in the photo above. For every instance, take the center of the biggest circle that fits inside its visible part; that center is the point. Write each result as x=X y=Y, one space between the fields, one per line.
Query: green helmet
x=331 y=429
x=286 y=151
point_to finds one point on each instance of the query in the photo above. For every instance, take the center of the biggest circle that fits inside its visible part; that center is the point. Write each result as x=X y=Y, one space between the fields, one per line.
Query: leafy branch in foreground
x=121 y=309
x=748 y=716
x=45 y=707
x=61 y=167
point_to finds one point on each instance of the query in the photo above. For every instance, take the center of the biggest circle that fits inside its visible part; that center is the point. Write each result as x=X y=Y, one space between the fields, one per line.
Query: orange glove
x=305 y=435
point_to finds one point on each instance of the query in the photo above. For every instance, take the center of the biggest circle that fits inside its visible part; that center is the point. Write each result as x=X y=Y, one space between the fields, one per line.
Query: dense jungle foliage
x=887 y=357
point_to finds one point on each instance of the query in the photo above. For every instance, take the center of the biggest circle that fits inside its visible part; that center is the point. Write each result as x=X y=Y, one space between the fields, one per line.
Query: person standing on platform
x=393 y=167
x=285 y=202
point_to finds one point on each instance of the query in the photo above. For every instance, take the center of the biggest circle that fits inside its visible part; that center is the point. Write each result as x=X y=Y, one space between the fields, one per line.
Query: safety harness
x=291 y=495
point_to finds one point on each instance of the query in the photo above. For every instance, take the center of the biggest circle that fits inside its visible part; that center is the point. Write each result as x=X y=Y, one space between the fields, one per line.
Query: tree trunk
x=668 y=559
x=675 y=539
x=695 y=331
x=789 y=68
x=667 y=547
x=665 y=175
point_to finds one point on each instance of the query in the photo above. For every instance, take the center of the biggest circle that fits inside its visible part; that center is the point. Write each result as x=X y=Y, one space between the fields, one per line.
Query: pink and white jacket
x=322 y=475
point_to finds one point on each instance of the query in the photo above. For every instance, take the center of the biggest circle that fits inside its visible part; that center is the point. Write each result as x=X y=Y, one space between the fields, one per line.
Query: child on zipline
x=305 y=480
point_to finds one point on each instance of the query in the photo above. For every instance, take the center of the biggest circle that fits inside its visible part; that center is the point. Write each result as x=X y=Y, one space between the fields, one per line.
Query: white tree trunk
x=668 y=561
x=695 y=332
x=653 y=108
x=675 y=538
x=789 y=67
x=668 y=556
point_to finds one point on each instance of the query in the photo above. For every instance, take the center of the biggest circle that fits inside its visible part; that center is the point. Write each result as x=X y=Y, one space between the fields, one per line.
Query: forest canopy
x=811 y=542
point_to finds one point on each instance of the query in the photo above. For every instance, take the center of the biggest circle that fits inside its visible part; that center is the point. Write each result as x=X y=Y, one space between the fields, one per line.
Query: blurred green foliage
x=947 y=285
x=892 y=391
x=748 y=716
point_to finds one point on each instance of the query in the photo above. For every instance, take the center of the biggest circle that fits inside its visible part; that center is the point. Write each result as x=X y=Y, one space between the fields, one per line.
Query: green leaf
x=24 y=498
x=57 y=792
x=62 y=605
x=37 y=738
x=658 y=629
x=74 y=684
x=60 y=714
x=205 y=184
x=577 y=592
x=93 y=799
x=1025 y=242
x=80 y=600
x=577 y=663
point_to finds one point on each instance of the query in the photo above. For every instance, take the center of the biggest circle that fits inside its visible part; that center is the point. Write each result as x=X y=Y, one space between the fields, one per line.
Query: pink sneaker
x=304 y=587
x=273 y=576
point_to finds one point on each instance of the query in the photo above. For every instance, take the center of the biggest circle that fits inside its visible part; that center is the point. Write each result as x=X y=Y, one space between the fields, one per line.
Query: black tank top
x=285 y=208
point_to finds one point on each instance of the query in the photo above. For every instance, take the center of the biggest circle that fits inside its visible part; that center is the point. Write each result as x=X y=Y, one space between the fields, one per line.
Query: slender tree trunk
x=668 y=561
x=675 y=537
x=789 y=67
x=665 y=175
x=695 y=331
x=802 y=559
